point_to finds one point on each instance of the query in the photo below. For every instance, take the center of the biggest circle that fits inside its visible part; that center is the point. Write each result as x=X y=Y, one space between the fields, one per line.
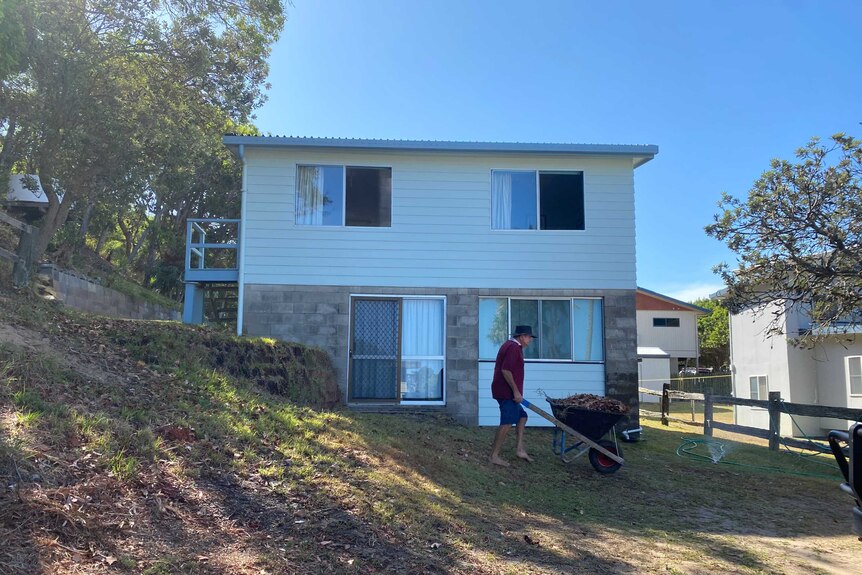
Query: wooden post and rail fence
x=775 y=406
x=22 y=260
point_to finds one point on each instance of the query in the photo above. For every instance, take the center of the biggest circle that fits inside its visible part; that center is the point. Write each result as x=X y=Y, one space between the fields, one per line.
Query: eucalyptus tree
x=115 y=95
x=798 y=238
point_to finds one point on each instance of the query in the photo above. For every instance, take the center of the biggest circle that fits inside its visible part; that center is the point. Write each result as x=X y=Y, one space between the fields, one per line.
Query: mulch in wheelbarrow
x=591 y=402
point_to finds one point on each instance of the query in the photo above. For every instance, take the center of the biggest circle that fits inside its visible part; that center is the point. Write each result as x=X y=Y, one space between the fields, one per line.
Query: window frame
x=765 y=378
x=667 y=321
x=344 y=168
x=847 y=375
x=572 y=338
x=538 y=173
x=401 y=298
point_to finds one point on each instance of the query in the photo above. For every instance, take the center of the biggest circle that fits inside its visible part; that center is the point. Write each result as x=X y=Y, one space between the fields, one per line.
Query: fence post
x=22 y=269
x=707 y=414
x=665 y=403
x=774 y=419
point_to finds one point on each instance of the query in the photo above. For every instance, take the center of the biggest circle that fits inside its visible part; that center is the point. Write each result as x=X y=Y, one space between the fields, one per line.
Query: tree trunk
x=56 y=217
x=22 y=271
x=102 y=239
x=137 y=247
x=85 y=223
x=7 y=146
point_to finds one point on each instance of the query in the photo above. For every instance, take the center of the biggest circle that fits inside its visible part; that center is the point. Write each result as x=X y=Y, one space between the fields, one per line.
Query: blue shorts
x=510 y=412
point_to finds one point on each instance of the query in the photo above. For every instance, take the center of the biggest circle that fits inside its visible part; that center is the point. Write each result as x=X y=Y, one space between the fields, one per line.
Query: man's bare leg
x=499 y=438
x=520 y=451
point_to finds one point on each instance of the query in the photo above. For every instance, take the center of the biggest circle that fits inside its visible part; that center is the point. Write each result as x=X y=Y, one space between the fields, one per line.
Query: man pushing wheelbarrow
x=584 y=419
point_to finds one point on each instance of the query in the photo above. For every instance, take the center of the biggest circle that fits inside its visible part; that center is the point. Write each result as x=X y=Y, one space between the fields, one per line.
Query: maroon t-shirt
x=511 y=358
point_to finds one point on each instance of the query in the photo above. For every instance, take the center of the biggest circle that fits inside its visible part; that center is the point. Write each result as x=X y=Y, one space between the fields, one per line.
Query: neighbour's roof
x=641 y=153
x=673 y=302
x=19 y=192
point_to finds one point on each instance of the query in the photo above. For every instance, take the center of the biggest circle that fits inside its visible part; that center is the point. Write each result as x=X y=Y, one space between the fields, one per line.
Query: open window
x=531 y=200
x=344 y=196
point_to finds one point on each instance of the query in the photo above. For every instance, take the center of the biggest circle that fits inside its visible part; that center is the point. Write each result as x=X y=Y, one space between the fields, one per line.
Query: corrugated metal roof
x=642 y=153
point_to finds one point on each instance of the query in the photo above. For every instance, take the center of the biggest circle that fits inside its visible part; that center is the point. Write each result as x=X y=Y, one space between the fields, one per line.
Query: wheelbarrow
x=586 y=428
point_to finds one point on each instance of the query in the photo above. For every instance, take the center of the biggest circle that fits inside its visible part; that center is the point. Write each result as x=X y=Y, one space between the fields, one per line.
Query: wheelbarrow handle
x=572 y=432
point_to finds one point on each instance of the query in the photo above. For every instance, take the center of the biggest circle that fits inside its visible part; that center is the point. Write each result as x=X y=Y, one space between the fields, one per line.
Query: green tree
x=798 y=238
x=713 y=334
x=119 y=102
x=13 y=56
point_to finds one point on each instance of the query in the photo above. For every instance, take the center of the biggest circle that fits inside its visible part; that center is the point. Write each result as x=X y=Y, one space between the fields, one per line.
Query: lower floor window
x=854 y=374
x=759 y=388
x=397 y=349
x=568 y=329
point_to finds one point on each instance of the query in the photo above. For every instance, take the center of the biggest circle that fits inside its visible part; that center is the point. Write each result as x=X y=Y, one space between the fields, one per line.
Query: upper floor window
x=854 y=374
x=665 y=322
x=344 y=196
x=537 y=200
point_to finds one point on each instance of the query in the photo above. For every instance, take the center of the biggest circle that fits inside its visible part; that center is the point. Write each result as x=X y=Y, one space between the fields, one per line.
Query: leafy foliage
x=798 y=238
x=713 y=333
x=119 y=108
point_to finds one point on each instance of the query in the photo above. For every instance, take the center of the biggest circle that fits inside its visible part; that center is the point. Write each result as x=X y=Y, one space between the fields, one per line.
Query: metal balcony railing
x=212 y=250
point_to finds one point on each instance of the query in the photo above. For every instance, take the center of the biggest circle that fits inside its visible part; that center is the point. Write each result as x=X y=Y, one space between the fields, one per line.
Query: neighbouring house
x=667 y=339
x=410 y=262
x=829 y=373
x=25 y=197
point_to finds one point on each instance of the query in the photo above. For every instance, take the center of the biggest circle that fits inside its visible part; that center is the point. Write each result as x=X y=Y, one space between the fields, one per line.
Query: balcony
x=212 y=251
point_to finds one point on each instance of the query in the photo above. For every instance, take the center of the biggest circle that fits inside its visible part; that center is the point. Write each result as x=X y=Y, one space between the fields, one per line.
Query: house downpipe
x=241 y=251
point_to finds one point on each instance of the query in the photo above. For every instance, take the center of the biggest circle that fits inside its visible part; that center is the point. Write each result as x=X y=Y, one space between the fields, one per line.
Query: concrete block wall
x=84 y=294
x=320 y=316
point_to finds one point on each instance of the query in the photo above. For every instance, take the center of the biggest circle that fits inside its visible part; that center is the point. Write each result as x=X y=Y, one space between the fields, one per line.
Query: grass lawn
x=124 y=454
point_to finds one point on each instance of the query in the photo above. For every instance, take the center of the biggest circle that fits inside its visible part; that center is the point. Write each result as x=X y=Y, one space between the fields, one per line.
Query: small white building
x=829 y=373
x=667 y=338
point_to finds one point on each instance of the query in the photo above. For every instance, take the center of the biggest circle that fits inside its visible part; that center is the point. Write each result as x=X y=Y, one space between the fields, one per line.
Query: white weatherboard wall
x=676 y=341
x=441 y=226
x=540 y=379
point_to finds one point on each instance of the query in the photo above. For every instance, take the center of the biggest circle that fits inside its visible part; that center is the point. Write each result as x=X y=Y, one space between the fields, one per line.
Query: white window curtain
x=854 y=375
x=422 y=329
x=309 y=196
x=422 y=349
x=587 y=318
x=501 y=200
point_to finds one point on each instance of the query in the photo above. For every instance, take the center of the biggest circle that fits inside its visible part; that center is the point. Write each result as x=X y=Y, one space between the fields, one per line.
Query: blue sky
x=720 y=87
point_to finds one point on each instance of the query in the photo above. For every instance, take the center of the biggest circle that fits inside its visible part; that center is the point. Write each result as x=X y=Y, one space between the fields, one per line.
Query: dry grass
x=129 y=449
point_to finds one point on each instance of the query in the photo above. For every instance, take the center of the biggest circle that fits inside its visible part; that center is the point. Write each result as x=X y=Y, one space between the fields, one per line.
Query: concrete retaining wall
x=84 y=294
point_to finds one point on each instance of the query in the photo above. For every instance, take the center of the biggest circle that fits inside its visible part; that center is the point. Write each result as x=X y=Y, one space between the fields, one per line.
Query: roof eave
x=640 y=154
x=690 y=306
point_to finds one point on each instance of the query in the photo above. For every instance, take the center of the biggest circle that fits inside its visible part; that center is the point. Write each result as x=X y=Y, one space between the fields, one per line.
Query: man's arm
x=510 y=379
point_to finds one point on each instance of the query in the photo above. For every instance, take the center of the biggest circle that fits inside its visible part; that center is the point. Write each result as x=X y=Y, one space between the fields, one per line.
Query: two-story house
x=410 y=262
x=667 y=339
x=827 y=371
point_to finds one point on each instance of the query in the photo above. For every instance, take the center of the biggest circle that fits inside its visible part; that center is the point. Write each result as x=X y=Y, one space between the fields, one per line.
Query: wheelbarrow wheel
x=601 y=462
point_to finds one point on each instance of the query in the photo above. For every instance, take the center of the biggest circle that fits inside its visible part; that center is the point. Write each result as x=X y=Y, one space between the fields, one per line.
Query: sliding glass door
x=397 y=350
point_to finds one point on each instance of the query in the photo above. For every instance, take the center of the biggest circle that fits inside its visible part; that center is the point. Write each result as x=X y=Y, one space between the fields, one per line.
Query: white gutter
x=241 y=251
